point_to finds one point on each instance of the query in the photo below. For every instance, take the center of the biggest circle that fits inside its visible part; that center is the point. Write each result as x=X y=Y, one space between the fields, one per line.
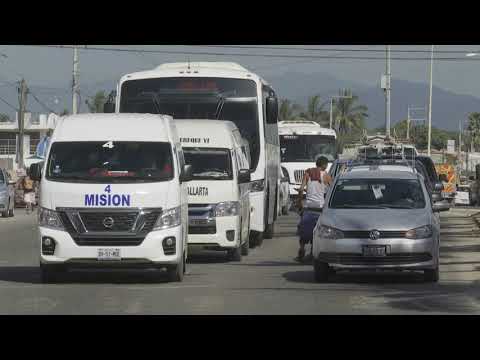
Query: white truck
x=301 y=143
x=114 y=196
x=219 y=193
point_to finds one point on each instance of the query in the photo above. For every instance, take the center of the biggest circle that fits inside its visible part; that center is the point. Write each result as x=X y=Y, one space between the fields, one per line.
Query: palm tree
x=95 y=103
x=474 y=129
x=288 y=110
x=315 y=111
x=348 y=116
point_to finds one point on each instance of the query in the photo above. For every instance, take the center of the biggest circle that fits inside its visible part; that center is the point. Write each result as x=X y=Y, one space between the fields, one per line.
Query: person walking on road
x=28 y=193
x=315 y=181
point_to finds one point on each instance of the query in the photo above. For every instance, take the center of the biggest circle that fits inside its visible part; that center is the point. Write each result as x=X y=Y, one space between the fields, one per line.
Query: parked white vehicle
x=301 y=143
x=224 y=91
x=7 y=194
x=219 y=193
x=113 y=196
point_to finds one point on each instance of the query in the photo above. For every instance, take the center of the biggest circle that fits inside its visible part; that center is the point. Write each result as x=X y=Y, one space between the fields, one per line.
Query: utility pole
x=408 y=124
x=430 y=106
x=75 y=81
x=387 y=90
x=22 y=101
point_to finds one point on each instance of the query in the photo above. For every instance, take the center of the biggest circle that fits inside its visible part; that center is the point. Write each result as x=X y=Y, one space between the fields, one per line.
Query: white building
x=35 y=128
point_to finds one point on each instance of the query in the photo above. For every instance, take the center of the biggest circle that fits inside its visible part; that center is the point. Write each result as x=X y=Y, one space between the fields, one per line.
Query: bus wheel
x=256 y=239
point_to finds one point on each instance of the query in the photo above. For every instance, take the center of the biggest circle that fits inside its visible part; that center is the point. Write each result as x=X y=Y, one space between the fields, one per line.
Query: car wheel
x=11 y=212
x=235 y=254
x=176 y=274
x=50 y=274
x=431 y=275
x=321 y=271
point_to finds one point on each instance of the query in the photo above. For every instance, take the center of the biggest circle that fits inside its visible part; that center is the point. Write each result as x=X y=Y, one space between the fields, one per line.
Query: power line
x=6 y=102
x=283 y=56
x=41 y=103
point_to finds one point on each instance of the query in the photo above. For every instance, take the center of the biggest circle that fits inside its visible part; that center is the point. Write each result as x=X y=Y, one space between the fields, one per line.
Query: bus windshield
x=307 y=148
x=198 y=98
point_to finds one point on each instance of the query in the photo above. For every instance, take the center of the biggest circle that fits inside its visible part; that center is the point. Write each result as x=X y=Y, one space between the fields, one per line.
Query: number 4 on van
x=108 y=145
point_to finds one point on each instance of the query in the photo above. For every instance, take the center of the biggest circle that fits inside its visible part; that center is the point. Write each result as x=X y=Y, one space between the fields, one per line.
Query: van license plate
x=375 y=250
x=108 y=254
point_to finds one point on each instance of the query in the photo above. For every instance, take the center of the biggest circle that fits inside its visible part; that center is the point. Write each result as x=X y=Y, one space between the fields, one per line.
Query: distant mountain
x=448 y=107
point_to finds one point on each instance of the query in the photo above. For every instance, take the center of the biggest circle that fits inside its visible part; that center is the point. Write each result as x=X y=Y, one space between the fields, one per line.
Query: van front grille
x=298 y=174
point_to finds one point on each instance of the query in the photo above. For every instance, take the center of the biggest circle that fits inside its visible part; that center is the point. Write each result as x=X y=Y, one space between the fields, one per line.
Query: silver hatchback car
x=7 y=194
x=377 y=219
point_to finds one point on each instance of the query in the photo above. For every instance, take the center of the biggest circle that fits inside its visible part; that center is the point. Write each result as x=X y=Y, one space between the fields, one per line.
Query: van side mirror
x=109 y=107
x=186 y=174
x=244 y=176
x=36 y=171
x=272 y=110
x=438 y=186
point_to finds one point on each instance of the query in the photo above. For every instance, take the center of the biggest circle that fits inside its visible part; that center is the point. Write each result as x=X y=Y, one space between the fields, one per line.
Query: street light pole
x=331 y=112
x=430 y=106
x=387 y=102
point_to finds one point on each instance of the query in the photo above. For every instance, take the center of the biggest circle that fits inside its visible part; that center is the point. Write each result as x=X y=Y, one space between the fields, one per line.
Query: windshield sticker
x=195 y=140
x=197 y=191
x=108 y=199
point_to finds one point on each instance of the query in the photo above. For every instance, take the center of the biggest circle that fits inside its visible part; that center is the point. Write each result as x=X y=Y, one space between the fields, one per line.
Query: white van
x=218 y=195
x=113 y=194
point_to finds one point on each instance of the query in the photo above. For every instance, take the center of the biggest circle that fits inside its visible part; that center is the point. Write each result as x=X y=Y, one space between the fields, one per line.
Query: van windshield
x=377 y=194
x=209 y=163
x=307 y=148
x=110 y=162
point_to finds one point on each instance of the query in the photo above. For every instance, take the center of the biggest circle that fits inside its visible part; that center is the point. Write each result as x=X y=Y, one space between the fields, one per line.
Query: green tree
x=288 y=110
x=315 y=111
x=349 y=117
x=474 y=129
x=4 y=118
x=95 y=103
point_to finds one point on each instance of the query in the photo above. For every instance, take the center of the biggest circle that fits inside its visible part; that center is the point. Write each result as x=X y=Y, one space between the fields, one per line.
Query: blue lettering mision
x=107 y=200
x=89 y=200
x=116 y=200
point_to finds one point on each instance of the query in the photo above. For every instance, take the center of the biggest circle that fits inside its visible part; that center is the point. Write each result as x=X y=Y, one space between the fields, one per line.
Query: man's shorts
x=29 y=197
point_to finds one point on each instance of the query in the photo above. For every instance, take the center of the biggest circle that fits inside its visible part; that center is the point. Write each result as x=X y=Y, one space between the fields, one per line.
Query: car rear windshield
x=378 y=193
x=110 y=161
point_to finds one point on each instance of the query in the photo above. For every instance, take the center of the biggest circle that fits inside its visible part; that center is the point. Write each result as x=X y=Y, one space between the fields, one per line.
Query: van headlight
x=50 y=219
x=421 y=232
x=327 y=232
x=257 y=185
x=227 y=208
x=168 y=219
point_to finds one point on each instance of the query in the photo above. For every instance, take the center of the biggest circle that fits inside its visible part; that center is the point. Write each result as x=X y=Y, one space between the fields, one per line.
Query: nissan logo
x=374 y=234
x=108 y=222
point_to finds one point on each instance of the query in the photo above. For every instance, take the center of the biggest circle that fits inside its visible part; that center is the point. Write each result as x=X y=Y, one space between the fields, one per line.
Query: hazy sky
x=52 y=67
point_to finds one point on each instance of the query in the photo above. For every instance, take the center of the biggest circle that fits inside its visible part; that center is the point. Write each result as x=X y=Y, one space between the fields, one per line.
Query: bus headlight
x=257 y=185
x=168 y=219
x=227 y=208
x=50 y=219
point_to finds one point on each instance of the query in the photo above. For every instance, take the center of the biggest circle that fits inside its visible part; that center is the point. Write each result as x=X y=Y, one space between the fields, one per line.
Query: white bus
x=301 y=142
x=222 y=91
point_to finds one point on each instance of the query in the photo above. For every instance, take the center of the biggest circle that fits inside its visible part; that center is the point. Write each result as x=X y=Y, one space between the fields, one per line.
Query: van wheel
x=269 y=230
x=256 y=239
x=285 y=210
x=176 y=274
x=50 y=274
x=431 y=275
x=235 y=254
x=321 y=271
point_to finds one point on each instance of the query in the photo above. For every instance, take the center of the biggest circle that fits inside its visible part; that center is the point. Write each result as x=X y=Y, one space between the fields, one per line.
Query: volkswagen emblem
x=108 y=222
x=374 y=235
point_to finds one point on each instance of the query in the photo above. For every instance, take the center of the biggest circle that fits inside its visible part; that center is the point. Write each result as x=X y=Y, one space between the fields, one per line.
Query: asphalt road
x=268 y=281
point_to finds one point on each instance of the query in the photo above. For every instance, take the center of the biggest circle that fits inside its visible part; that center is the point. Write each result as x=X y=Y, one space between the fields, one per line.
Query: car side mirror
x=437 y=197
x=186 y=174
x=441 y=206
x=438 y=186
x=244 y=176
x=272 y=110
x=109 y=107
x=36 y=171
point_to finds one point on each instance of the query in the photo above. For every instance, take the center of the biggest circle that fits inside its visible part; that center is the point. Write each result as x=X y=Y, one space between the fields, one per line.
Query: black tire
x=235 y=254
x=50 y=274
x=285 y=210
x=269 y=231
x=245 y=248
x=321 y=271
x=431 y=275
x=256 y=239
x=176 y=273
x=11 y=212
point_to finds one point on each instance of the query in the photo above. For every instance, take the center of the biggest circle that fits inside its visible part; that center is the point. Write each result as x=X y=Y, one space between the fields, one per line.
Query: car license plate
x=374 y=250
x=108 y=254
